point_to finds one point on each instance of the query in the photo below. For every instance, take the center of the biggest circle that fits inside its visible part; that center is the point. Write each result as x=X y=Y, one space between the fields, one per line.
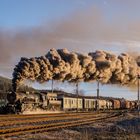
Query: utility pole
x=138 y=95
x=52 y=86
x=98 y=87
x=77 y=93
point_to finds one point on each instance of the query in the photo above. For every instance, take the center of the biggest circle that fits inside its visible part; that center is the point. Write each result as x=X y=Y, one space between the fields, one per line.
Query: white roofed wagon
x=71 y=103
x=89 y=104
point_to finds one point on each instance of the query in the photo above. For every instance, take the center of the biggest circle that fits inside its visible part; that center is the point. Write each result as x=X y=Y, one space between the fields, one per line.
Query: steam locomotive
x=25 y=101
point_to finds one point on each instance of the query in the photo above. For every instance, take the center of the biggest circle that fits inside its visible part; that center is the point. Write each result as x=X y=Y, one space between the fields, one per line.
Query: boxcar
x=122 y=104
x=71 y=103
x=115 y=104
x=132 y=105
x=127 y=104
x=102 y=104
x=109 y=104
x=136 y=104
x=89 y=104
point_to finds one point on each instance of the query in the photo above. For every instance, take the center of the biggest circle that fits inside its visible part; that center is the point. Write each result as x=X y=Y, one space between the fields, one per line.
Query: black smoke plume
x=68 y=66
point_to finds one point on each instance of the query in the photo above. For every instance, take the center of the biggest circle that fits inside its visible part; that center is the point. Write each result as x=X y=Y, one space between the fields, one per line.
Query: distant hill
x=5 y=79
x=6 y=86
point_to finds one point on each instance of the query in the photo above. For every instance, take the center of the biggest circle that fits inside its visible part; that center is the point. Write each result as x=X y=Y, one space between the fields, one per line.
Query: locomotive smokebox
x=11 y=97
x=13 y=105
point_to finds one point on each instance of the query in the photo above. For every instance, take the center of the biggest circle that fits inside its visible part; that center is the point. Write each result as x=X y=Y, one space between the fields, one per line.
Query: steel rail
x=34 y=120
x=18 y=117
x=48 y=127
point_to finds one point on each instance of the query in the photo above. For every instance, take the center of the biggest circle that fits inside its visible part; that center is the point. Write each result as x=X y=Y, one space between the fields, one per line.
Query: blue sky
x=28 y=13
x=84 y=25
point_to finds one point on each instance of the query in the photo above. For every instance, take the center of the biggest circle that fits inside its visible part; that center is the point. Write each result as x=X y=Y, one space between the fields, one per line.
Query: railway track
x=63 y=123
x=11 y=117
x=46 y=119
x=31 y=116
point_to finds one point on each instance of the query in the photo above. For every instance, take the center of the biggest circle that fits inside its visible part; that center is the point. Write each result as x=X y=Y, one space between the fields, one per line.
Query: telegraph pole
x=98 y=87
x=52 y=86
x=138 y=95
x=77 y=93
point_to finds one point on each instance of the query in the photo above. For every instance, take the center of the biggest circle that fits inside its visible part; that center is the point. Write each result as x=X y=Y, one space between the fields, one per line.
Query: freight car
x=127 y=104
x=89 y=104
x=102 y=104
x=115 y=104
x=132 y=104
x=70 y=103
x=109 y=104
x=123 y=104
